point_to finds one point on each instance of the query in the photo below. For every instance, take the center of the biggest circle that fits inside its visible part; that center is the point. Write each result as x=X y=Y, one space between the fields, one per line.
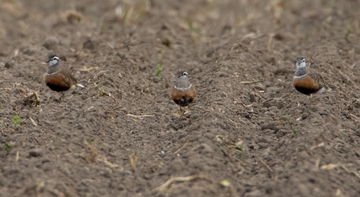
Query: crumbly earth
x=248 y=132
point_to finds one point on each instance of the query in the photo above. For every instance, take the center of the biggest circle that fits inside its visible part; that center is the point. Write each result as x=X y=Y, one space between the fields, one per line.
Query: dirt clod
x=248 y=132
x=50 y=43
x=35 y=153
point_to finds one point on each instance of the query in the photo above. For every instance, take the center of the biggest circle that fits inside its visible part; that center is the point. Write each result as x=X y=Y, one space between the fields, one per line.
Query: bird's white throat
x=301 y=76
x=183 y=89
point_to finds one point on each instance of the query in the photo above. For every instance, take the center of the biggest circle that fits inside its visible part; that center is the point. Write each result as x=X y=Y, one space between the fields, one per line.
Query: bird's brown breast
x=183 y=97
x=307 y=85
x=60 y=81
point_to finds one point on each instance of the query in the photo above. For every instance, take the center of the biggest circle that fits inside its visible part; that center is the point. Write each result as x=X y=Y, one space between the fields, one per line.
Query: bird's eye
x=185 y=73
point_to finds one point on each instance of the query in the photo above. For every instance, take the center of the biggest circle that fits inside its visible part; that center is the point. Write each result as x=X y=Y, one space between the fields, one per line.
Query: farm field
x=248 y=132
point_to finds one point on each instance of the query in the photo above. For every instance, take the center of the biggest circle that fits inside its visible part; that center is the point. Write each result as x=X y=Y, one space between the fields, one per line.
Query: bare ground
x=248 y=133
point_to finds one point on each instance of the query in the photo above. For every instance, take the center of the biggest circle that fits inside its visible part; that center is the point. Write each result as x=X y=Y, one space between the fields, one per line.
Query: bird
x=183 y=92
x=59 y=79
x=307 y=82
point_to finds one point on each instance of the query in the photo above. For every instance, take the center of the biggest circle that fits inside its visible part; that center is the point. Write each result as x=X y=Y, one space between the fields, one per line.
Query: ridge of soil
x=248 y=132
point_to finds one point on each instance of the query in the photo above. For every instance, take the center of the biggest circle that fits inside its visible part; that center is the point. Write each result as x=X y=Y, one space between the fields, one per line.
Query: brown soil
x=248 y=132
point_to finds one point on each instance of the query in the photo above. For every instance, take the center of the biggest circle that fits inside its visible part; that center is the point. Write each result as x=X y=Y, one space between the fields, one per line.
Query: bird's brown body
x=306 y=82
x=183 y=97
x=59 y=79
x=309 y=84
x=183 y=92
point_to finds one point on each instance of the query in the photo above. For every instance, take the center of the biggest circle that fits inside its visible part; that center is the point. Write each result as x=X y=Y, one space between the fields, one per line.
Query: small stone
x=279 y=36
x=204 y=148
x=35 y=153
x=252 y=97
x=271 y=126
x=9 y=64
x=223 y=95
x=357 y=103
x=255 y=193
x=263 y=145
x=304 y=190
x=50 y=43
x=143 y=67
x=187 y=115
x=267 y=103
x=29 y=50
x=89 y=44
x=223 y=74
x=323 y=113
x=260 y=86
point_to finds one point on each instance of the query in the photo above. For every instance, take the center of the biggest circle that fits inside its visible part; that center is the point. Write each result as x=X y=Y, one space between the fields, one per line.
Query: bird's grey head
x=182 y=81
x=53 y=60
x=300 y=62
x=182 y=75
